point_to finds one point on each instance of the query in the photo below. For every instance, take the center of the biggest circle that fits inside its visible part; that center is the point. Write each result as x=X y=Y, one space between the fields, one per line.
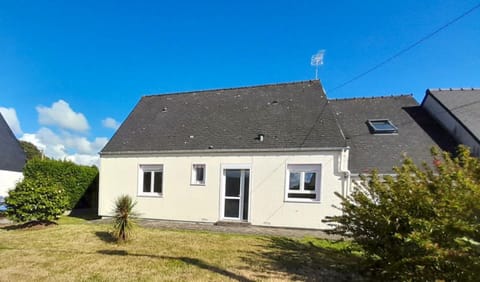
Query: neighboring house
x=380 y=130
x=12 y=159
x=458 y=111
x=270 y=155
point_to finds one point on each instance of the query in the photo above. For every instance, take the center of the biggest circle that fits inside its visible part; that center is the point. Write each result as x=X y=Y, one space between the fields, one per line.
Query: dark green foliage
x=75 y=179
x=36 y=200
x=423 y=224
x=124 y=218
x=31 y=151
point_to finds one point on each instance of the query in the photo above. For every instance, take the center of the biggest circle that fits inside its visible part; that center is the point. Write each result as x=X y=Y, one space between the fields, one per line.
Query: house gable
x=458 y=111
x=12 y=156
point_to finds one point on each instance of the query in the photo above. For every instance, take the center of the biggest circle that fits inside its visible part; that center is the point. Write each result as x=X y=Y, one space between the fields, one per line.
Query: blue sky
x=67 y=66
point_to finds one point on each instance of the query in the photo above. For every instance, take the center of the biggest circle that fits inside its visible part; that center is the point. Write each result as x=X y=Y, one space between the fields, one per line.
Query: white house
x=12 y=159
x=271 y=155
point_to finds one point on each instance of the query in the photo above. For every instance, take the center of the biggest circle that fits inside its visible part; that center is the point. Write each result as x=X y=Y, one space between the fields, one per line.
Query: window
x=303 y=182
x=198 y=174
x=381 y=126
x=150 y=180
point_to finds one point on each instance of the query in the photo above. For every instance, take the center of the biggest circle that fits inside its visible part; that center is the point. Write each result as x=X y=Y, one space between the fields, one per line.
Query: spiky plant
x=124 y=218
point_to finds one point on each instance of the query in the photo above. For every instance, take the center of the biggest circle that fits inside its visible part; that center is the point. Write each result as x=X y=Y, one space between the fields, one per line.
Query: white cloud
x=84 y=159
x=60 y=114
x=67 y=146
x=110 y=123
x=10 y=116
x=32 y=138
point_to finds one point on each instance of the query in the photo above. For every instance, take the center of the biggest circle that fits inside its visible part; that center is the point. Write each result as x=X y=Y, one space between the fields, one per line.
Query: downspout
x=344 y=170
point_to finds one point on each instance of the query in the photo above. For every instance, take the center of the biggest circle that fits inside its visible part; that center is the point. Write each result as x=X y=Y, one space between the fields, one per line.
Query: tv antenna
x=317 y=60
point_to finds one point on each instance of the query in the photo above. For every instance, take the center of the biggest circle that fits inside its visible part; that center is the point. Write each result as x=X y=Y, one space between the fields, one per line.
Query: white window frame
x=193 y=180
x=150 y=168
x=302 y=169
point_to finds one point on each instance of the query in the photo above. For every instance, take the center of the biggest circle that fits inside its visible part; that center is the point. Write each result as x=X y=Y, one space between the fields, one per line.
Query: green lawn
x=78 y=250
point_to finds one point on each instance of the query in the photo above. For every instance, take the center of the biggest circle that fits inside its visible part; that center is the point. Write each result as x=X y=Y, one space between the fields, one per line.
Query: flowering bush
x=421 y=224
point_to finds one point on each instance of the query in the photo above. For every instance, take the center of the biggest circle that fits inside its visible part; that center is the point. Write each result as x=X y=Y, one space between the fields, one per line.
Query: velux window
x=381 y=126
x=150 y=180
x=303 y=182
x=198 y=174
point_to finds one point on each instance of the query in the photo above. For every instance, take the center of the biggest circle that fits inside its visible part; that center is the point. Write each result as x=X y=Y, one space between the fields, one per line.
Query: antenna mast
x=317 y=60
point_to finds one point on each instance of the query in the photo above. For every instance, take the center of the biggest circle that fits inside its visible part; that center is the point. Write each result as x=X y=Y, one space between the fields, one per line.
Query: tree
x=31 y=151
x=422 y=224
x=124 y=218
x=36 y=200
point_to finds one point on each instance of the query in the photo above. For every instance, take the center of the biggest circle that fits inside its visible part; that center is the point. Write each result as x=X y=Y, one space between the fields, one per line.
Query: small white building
x=12 y=159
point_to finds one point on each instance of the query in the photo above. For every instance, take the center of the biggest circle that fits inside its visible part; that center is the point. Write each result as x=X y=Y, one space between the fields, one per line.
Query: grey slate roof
x=417 y=132
x=290 y=115
x=12 y=156
x=463 y=104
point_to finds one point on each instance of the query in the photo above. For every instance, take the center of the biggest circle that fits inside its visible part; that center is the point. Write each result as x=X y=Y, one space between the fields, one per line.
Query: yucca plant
x=124 y=218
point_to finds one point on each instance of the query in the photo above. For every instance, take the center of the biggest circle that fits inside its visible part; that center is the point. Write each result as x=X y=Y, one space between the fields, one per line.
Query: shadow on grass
x=106 y=237
x=309 y=260
x=192 y=261
x=31 y=225
x=87 y=214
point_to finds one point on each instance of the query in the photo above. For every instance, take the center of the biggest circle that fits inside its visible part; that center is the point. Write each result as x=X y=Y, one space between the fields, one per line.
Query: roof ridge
x=234 y=88
x=455 y=89
x=372 y=97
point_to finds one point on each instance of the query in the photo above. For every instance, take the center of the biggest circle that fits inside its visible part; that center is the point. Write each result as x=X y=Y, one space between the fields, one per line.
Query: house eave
x=220 y=151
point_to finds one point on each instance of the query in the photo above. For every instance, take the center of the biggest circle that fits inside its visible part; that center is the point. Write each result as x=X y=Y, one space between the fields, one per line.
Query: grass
x=79 y=250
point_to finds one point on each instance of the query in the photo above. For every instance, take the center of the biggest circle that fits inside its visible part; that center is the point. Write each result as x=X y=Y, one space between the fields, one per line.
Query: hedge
x=75 y=179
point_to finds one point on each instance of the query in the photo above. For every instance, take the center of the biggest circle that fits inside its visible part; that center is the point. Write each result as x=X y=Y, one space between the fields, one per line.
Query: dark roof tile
x=417 y=132
x=290 y=115
x=463 y=104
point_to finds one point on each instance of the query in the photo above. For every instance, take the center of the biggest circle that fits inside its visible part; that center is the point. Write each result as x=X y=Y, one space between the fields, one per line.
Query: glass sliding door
x=236 y=192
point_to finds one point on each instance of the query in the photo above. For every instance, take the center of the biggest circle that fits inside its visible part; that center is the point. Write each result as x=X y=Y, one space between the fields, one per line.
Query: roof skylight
x=381 y=126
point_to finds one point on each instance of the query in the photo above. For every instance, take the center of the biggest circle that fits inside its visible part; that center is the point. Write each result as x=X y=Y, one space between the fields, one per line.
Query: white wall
x=451 y=124
x=8 y=179
x=182 y=201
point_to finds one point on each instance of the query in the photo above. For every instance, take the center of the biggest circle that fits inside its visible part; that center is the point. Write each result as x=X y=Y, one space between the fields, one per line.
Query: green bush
x=36 y=200
x=423 y=224
x=75 y=179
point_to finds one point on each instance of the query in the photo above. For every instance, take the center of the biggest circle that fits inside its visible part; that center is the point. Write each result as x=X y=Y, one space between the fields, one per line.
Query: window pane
x=309 y=181
x=294 y=181
x=147 y=181
x=199 y=173
x=301 y=196
x=157 y=183
x=232 y=182
x=232 y=208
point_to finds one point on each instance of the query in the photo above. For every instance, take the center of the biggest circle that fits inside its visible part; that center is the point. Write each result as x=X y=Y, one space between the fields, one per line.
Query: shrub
x=124 y=218
x=36 y=200
x=75 y=179
x=423 y=224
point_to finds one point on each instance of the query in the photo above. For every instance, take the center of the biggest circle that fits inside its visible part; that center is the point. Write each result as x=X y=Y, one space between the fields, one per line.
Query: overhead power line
x=406 y=49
